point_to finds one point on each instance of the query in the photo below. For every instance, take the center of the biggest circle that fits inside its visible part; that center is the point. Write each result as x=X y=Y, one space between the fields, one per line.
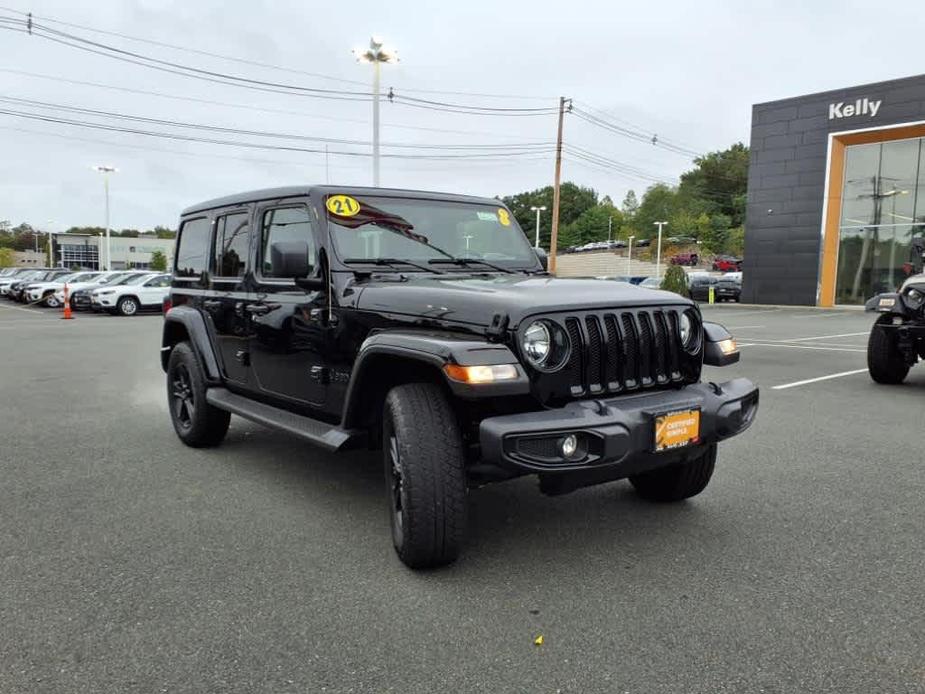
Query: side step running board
x=329 y=437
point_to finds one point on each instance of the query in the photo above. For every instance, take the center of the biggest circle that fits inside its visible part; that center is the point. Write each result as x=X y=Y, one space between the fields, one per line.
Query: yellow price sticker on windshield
x=504 y=217
x=342 y=205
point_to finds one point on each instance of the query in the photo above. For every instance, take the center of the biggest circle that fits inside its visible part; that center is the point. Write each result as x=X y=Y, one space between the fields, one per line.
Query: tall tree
x=720 y=180
x=630 y=205
x=573 y=201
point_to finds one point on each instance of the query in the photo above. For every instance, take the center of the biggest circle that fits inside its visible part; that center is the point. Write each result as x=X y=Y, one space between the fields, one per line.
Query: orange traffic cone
x=67 y=305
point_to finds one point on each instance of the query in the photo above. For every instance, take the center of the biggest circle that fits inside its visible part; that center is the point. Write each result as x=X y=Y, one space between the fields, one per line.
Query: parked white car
x=138 y=294
x=98 y=279
x=40 y=291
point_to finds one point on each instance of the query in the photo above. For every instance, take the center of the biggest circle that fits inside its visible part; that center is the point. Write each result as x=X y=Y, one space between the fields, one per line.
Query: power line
x=632 y=134
x=263 y=133
x=269 y=66
x=212 y=155
x=252 y=145
x=132 y=57
x=247 y=107
x=606 y=115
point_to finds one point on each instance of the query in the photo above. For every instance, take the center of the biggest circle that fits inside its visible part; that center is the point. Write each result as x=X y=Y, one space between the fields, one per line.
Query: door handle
x=211 y=304
x=260 y=309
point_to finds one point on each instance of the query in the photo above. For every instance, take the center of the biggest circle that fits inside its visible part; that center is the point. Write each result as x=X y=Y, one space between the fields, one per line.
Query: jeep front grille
x=623 y=350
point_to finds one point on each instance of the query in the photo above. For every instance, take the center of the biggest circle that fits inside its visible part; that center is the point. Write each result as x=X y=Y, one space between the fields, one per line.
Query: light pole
x=538 y=210
x=377 y=53
x=629 y=255
x=51 y=253
x=609 y=229
x=658 y=250
x=106 y=170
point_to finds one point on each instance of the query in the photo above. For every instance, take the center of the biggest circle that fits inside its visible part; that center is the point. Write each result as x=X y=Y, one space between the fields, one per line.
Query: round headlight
x=690 y=333
x=545 y=345
x=537 y=342
x=685 y=329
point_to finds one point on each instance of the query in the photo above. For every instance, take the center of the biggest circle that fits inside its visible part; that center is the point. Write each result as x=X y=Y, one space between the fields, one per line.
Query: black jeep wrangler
x=425 y=325
x=897 y=338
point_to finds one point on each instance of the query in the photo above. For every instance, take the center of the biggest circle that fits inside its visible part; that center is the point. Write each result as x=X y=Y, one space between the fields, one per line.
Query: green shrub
x=675 y=280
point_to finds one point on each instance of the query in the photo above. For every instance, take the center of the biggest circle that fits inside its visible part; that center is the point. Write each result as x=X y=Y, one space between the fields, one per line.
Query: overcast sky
x=689 y=71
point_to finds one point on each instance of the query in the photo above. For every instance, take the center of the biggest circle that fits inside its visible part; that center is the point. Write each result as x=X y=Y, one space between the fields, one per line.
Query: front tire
x=885 y=362
x=677 y=482
x=127 y=306
x=197 y=423
x=425 y=475
x=51 y=301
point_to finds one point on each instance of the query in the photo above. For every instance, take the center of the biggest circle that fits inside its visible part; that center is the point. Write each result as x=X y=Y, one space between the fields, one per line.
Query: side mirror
x=543 y=258
x=290 y=259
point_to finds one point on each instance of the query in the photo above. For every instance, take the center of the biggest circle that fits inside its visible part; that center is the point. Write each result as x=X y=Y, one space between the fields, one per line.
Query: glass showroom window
x=883 y=207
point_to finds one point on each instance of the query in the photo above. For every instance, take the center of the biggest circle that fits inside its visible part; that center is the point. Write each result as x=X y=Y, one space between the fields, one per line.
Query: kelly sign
x=861 y=107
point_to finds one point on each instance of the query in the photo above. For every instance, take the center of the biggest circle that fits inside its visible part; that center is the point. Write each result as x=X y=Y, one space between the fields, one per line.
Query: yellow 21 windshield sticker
x=342 y=205
x=504 y=217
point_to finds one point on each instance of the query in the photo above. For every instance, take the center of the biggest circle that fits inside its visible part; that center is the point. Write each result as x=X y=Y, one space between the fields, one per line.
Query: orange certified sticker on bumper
x=677 y=429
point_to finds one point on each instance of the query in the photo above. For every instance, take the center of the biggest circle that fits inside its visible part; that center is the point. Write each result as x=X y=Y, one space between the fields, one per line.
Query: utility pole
x=658 y=250
x=629 y=256
x=609 y=229
x=554 y=234
x=537 y=210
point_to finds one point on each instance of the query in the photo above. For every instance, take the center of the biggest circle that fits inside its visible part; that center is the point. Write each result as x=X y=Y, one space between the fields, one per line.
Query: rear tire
x=677 y=482
x=197 y=423
x=425 y=475
x=884 y=361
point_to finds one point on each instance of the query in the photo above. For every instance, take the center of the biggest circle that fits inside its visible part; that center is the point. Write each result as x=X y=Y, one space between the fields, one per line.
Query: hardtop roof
x=301 y=191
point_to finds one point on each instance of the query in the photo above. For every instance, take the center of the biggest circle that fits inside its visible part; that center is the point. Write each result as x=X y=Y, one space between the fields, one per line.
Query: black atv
x=897 y=339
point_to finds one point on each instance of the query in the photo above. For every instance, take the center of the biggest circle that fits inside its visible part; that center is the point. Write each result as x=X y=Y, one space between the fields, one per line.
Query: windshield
x=113 y=279
x=136 y=280
x=370 y=228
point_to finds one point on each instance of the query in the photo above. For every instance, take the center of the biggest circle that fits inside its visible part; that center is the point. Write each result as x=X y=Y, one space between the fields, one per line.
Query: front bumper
x=617 y=434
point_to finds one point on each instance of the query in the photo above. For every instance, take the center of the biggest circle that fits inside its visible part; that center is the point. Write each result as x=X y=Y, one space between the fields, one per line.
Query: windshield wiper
x=391 y=262
x=469 y=261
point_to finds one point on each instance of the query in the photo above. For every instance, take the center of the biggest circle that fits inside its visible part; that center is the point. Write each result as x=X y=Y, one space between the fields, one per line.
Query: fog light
x=568 y=446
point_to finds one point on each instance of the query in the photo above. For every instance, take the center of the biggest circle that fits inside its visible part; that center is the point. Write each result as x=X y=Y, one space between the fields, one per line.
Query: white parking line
x=17 y=308
x=814 y=347
x=741 y=327
x=737 y=313
x=826 y=337
x=826 y=314
x=820 y=378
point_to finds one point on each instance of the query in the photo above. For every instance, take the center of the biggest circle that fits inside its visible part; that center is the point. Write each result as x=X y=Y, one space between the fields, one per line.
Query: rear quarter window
x=193 y=248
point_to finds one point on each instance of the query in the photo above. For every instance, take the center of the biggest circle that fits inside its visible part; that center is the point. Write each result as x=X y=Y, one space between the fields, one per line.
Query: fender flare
x=181 y=320
x=433 y=350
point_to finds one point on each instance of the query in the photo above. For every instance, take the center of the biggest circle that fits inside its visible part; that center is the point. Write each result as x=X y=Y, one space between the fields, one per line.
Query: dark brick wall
x=789 y=146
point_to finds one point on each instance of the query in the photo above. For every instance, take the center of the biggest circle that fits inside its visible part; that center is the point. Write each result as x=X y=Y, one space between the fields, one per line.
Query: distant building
x=29 y=259
x=84 y=251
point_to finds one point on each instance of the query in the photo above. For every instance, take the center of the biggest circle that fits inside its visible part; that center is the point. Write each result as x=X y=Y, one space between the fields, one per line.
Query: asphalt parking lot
x=131 y=563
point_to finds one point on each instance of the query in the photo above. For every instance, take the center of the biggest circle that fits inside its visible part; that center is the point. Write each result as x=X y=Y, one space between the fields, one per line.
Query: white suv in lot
x=141 y=293
x=45 y=291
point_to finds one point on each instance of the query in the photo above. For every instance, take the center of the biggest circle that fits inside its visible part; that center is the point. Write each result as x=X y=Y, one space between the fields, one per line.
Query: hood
x=913 y=279
x=475 y=300
x=74 y=286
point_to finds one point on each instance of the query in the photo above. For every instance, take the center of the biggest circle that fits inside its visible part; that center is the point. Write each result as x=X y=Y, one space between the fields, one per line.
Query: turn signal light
x=728 y=346
x=481 y=374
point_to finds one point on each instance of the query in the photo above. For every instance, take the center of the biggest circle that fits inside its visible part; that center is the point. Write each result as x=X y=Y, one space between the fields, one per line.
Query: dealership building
x=836 y=192
x=88 y=252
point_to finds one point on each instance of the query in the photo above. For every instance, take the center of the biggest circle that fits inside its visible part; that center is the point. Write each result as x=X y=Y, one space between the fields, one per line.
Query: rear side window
x=285 y=224
x=193 y=248
x=232 y=237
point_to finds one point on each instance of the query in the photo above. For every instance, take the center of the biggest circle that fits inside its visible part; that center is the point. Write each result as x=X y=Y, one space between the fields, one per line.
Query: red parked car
x=685 y=259
x=726 y=263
